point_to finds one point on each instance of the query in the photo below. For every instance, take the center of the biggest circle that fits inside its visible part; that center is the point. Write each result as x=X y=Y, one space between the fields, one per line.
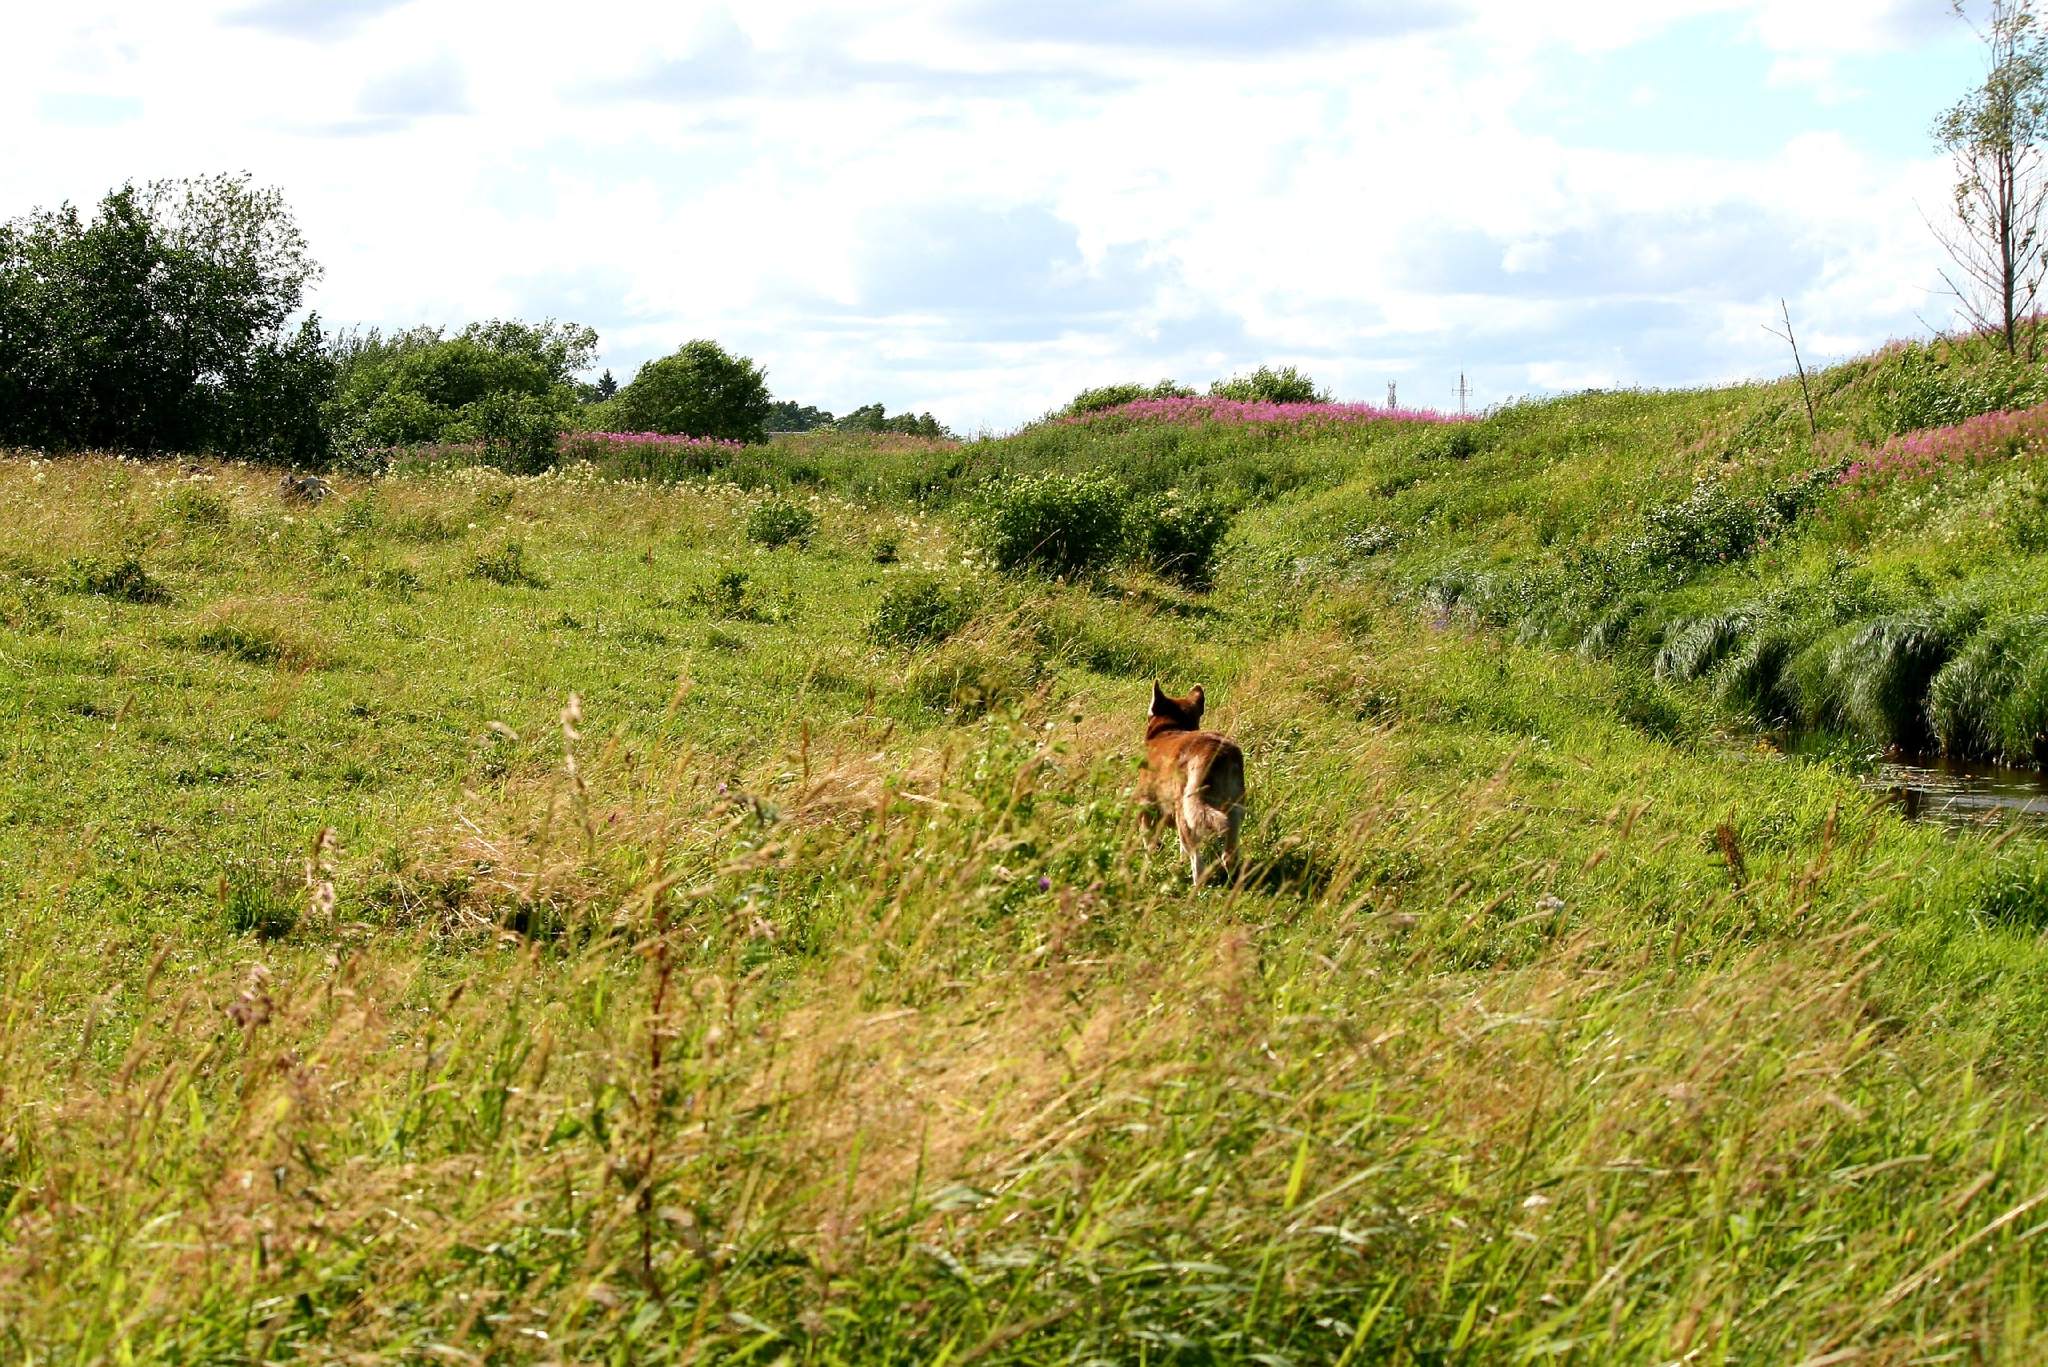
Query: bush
x=516 y=433
x=1056 y=523
x=729 y=596
x=1267 y=385
x=919 y=612
x=1882 y=671
x=504 y=386
x=506 y=565
x=1117 y=395
x=1758 y=680
x=1451 y=441
x=1695 y=648
x=259 y=903
x=778 y=522
x=2014 y=892
x=700 y=391
x=125 y=580
x=159 y=324
x=1178 y=535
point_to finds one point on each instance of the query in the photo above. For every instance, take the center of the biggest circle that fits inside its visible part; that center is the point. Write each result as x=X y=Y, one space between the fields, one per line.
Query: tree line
x=172 y=319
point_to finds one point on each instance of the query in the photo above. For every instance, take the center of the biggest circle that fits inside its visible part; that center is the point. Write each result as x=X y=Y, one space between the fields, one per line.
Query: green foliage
x=1922 y=387
x=700 y=391
x=920 y=611
x=1117 y=395
x=1178 y=534
x=504 y=564
x=786 y=415
x=257 y=902
x=159 y=324
x=1882 y=671
x=1701 y=644
x=504 y=386
x=779 y=522
x=124 y=579
x=1270 y=385
x=873 y=418
x=1995 y=134
x=1054 y=523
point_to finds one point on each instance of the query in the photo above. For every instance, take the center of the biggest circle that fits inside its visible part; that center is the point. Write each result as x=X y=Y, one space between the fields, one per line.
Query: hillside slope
x=731 y=938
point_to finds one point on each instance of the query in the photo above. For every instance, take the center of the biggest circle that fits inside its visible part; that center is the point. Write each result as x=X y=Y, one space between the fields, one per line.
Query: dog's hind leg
x=1191 y=846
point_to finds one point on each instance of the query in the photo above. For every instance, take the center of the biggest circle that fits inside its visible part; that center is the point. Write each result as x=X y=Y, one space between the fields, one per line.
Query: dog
x=1195 y=776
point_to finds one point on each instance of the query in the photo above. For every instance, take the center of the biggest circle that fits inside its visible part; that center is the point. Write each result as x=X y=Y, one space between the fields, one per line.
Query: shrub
x=260 y=903
x=1178 y=535
x=1758 y=679
x=919 y=612
x=1969 y=699
x=1117 y=395
x=966 y=678
x=1267 y=385
x=125 y=580
x=883 y=550
x=701 y=391
x=1710 y=526
x=1057 y=523
x=728 y=596
x=779 y=522
x=516 y=433
x=1882 y=673
x=193 y=506
x=506 y=565
x=1695 y=648
x=2014 y=892
x=1451 y=441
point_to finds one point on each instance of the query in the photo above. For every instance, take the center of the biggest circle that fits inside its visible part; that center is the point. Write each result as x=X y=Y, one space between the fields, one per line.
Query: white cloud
x=918 y=203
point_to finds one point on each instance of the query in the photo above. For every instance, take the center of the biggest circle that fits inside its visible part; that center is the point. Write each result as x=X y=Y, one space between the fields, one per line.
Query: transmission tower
x=1464 y=394
x=1392 y=401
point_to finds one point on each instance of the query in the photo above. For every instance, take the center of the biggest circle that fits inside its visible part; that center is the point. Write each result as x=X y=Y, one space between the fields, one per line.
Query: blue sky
x=977 y=207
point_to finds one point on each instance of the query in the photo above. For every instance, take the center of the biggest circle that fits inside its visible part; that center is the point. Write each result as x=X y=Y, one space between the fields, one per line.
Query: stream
x=1965 y=796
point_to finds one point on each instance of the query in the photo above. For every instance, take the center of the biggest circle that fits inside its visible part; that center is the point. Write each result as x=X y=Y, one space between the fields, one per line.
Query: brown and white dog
x=1195 y=776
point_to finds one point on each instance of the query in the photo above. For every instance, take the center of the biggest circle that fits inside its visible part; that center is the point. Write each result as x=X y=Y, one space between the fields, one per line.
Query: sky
x=978 y=207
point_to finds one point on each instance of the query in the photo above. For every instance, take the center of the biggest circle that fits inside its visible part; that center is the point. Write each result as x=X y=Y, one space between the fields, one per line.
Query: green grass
x=745 y=952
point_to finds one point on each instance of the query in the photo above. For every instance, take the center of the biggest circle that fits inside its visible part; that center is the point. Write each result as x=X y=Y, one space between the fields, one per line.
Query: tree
x=159 y=323
x=1117 y=395
x=874 y=418
x=790 y=416
x=1995 y=135
x=1267 y=385
x=605 y=387
x=701 y=391
x=506 y=385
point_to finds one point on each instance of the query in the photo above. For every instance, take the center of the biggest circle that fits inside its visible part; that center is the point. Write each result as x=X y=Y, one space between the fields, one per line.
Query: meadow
x=684 y=905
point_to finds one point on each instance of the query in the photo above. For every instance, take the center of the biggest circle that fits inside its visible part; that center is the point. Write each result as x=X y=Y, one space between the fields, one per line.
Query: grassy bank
x=743 y=950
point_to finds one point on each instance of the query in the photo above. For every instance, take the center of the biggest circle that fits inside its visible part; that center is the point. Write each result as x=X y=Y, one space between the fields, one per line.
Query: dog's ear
x=1196 y=702
x=1158 y=700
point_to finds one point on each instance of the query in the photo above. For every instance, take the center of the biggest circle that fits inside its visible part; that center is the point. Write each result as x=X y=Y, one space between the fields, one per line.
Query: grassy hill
x=566 y=918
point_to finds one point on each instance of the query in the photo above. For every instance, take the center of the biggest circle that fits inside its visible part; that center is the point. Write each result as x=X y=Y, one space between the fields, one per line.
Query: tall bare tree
x=1996 y=135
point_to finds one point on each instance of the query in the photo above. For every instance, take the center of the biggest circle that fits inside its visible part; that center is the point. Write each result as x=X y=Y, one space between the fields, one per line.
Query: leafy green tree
x=1116 y=395
x=605 y=389
x=701 y=391
x=790 y=416
x=505 y=385
x=1267 y=385
x=874 y=418
x=1995 y=136
x=160 y=323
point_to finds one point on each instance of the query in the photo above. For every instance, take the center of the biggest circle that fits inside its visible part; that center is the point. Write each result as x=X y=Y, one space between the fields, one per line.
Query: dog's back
x=1196 y=776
